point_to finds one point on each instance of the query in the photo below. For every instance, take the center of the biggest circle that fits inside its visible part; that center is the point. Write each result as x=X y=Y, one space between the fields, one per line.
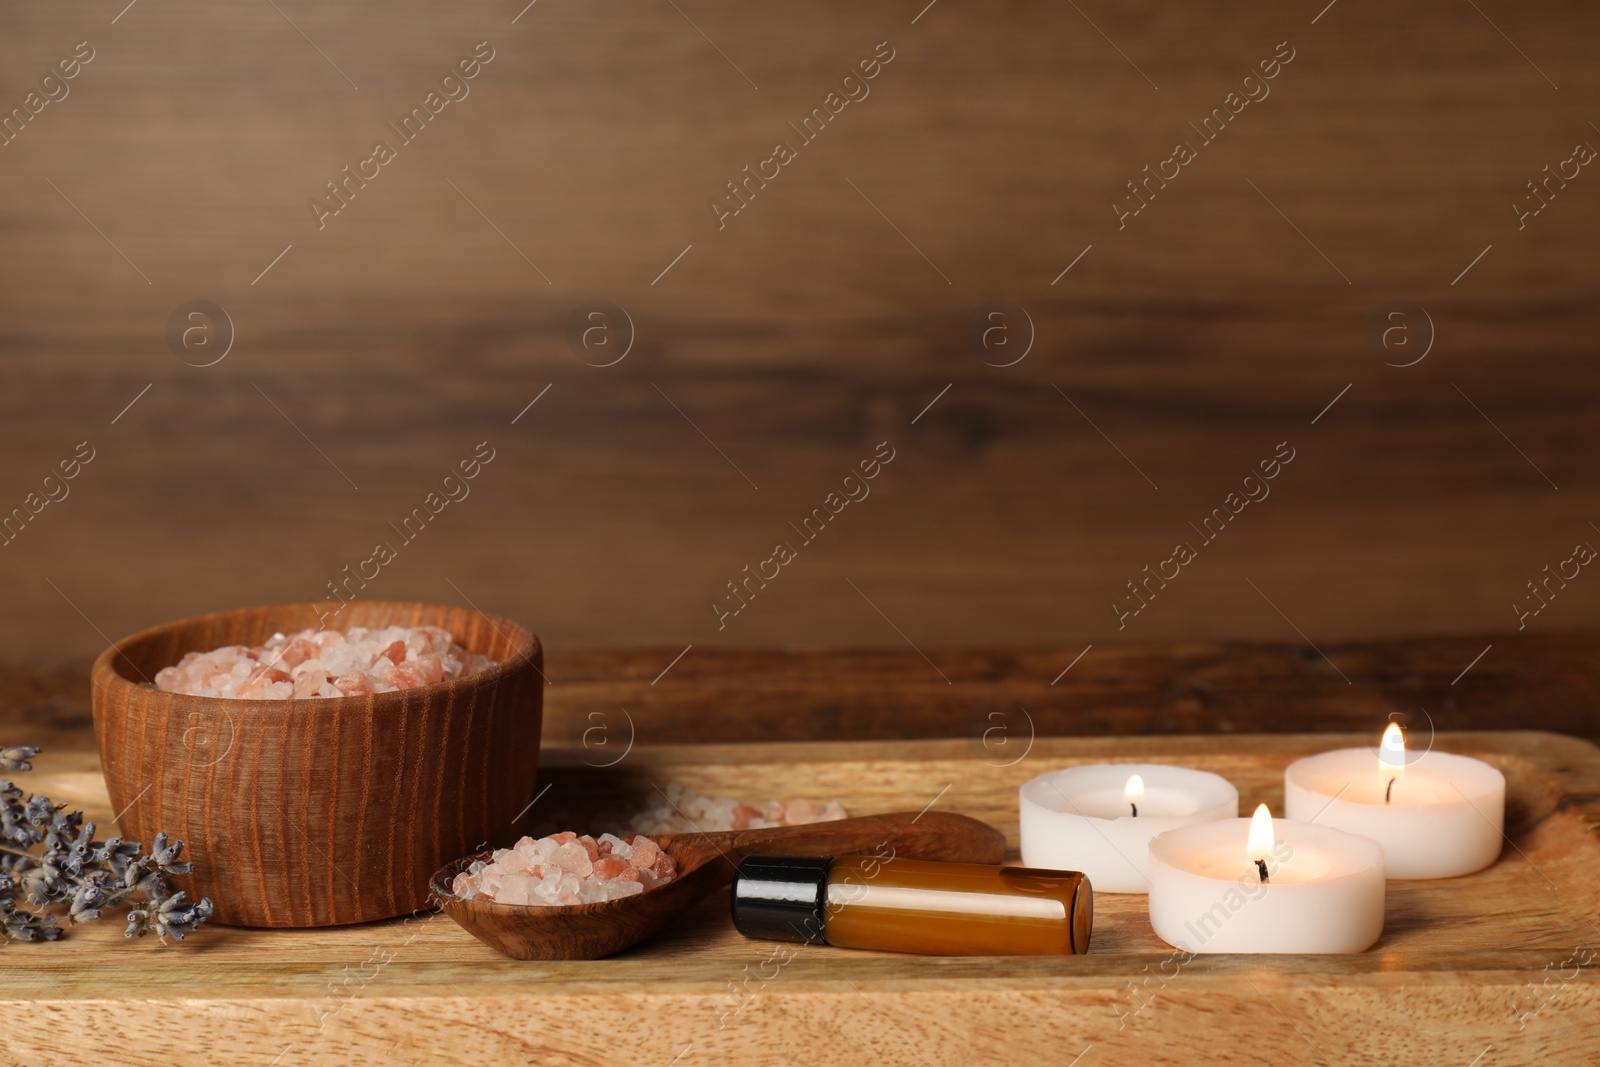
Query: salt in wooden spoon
x=705 y=863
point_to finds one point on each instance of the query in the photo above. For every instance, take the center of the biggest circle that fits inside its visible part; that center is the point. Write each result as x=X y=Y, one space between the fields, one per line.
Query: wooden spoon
x=705 y=863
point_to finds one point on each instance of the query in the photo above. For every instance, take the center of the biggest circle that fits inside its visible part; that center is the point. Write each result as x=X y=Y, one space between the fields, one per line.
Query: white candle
x=1437 y=815
x=1266 y=885
x=1083 y=818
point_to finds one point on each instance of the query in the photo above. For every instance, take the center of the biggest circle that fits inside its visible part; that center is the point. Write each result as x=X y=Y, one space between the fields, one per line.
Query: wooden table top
x=334 y=996
x=989 y=695
x=1481 y=966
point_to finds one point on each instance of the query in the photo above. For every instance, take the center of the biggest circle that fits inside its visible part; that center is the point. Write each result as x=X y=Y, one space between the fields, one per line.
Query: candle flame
x=1135 y=789
x=1392 y=750
x=1260 y=842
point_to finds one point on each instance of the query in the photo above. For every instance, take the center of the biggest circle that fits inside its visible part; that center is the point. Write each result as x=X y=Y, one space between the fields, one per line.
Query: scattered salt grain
x=688 y=812
x=567 y=869
x=324 y=663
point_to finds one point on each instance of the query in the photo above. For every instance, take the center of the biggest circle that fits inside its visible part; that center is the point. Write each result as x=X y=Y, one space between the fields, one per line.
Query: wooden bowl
x=319 y=812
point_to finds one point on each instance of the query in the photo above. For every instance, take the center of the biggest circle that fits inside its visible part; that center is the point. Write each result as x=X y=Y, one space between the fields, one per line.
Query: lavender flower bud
x=16 y=759
x=82 y=908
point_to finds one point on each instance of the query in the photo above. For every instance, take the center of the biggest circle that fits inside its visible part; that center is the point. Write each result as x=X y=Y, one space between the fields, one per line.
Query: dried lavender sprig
x=78 y=878
x=168 y=915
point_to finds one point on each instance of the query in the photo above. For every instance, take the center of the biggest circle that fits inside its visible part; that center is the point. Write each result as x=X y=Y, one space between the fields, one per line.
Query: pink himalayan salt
x=685 y=811
x=324 y=663
x=608 y=867
x=566 y=869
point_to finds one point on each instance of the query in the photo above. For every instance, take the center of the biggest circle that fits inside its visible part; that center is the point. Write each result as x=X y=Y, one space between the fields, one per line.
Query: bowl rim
x=529 y=651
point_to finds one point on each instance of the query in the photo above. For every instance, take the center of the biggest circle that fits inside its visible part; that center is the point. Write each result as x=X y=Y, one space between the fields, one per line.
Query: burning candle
x=1265 y=885
x=1099 y=818
x=1437 y=815
x=1133 y=792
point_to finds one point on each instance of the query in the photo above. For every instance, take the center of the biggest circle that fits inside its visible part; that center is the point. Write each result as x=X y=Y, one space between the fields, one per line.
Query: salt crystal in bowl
x=320 y=811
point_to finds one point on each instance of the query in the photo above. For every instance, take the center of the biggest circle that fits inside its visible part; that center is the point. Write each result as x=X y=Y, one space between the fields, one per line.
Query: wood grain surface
x=1491 y=960
x=603 y=700
x=316 y=812
x=834 y=312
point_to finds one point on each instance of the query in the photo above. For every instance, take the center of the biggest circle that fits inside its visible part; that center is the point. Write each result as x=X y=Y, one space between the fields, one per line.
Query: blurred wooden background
x=822 y=320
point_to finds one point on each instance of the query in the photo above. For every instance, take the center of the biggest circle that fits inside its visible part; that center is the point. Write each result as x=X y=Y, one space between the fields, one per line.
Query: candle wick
x=1388 y=790
x=1135 y=808
x=1261 y=865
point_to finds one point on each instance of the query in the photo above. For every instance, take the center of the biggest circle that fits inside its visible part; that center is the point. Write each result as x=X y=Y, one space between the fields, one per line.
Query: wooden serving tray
x=1495 y=968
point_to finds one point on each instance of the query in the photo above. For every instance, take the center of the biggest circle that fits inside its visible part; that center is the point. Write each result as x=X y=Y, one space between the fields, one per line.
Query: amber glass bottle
x=899 y=905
